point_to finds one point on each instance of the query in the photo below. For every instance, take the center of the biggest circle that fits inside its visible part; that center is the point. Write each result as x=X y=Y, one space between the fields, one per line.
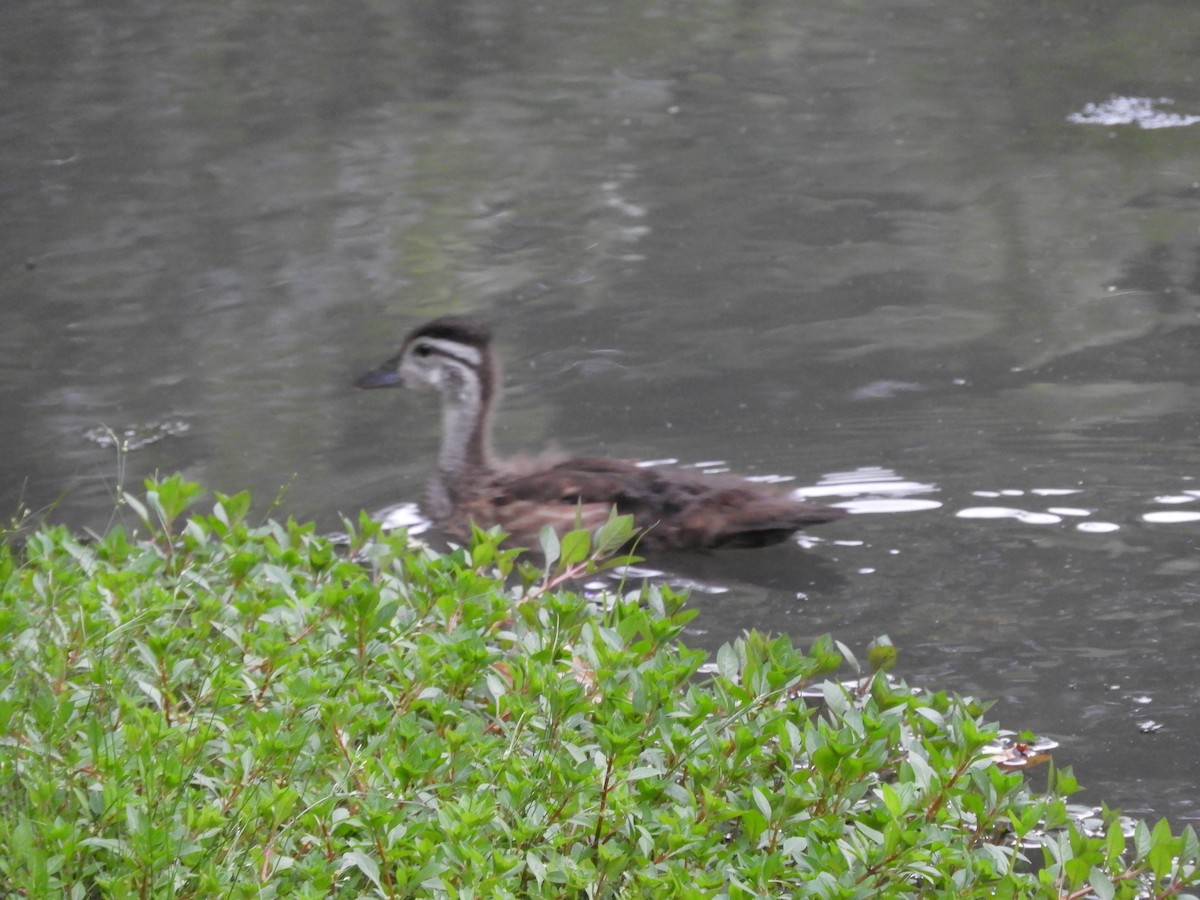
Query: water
x=846 y=244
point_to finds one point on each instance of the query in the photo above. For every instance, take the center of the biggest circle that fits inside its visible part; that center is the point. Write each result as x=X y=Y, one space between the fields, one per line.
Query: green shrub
x=214 y=708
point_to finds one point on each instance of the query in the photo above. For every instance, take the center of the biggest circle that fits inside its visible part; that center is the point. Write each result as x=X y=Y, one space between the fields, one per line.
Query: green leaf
x=1141 y=840
x=169 y=497
x=826 y=656
x=835 y=697
x=881 y=655
x=536 y=867
x=1161 y=857
x=1189 y=848
x=358 y=860
x=614 y=534
x=1114 y=844
x=550 y=546
x=728 y=663
x=496 y=686
x=931 y=714
x=1101 y=886
x=137 y=506
x=825 y=759
x=641 y=772
x=849 y=657
x=575 y=547
x=892 y=800
x=922 y=773
x=232 y=509
x=761 y=801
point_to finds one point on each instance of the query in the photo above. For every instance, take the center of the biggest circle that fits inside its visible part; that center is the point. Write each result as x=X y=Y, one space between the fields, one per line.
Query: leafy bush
x=214 y=708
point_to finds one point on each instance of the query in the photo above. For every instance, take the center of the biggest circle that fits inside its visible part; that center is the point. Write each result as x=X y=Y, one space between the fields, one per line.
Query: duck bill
x=385 y=376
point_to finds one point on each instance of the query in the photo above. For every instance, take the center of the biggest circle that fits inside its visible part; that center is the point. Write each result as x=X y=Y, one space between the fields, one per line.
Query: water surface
x=845 y=243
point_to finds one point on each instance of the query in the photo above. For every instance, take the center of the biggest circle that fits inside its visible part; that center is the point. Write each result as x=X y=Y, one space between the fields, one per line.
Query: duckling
x=673 y=509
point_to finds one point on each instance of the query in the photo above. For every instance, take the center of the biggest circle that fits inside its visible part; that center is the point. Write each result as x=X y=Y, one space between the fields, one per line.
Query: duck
x=672 y=509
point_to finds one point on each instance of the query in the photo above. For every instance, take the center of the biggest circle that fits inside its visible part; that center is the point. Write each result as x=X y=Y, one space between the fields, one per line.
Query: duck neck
x=467 y=400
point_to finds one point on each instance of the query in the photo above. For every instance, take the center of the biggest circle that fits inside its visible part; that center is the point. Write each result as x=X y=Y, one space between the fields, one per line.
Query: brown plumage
x=675 y=509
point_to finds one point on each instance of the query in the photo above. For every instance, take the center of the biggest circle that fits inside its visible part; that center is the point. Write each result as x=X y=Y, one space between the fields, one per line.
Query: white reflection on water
x=866 y=485
x=875 y=506
x=1054 y=514
x=1171 y=517
x=402 y=515
x=1006 y=512
x=1097 y=527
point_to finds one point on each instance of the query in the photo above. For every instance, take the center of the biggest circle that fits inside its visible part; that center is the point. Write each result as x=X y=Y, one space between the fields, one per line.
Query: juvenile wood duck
x=674 y=509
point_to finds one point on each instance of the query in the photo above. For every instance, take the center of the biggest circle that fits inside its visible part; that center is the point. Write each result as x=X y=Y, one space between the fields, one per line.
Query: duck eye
x=422 y=349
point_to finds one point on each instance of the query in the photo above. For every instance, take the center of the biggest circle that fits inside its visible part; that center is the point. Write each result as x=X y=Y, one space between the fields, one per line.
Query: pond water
x=926 y=258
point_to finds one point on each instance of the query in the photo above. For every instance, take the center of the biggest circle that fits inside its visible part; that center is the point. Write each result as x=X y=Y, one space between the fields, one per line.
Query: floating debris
x=1138 y=111
x=135 y=437
x=1010 y=752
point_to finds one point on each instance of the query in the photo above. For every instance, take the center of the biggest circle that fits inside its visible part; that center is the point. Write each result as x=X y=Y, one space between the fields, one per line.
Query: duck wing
x=675 y=509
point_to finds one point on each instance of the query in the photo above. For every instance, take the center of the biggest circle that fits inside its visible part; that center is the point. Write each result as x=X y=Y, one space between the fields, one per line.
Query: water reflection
x=403 y=515
x=873 y=490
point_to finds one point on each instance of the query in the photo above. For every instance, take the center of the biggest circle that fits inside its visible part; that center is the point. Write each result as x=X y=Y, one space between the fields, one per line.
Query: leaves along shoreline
x=204 y=706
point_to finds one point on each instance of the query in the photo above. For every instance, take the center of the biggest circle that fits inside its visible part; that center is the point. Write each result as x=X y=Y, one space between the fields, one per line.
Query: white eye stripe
x=453 y=349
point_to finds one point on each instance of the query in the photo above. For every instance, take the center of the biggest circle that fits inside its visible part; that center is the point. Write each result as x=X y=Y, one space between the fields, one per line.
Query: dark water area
x=863 y=246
